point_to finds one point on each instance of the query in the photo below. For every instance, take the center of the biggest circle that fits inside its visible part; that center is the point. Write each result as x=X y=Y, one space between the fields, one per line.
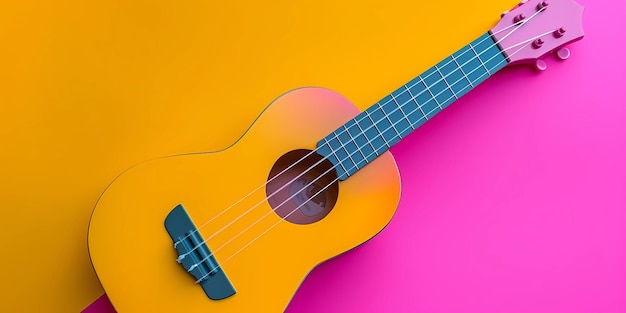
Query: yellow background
x=89 y=88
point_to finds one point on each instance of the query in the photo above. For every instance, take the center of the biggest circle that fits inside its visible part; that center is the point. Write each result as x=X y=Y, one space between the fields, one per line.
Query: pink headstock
x=535 y=28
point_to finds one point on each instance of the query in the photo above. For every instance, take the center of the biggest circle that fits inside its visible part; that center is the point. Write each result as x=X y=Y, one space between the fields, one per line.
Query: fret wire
x=418 y=105
x=462 y=71
x=334 y=152
x=388 y=117
x=378 y=130
x=479 y=59
x=369 y=141
x=443 y=77
x=431 y=94
x=401 y=110
x=343 y=146
x=354 y=140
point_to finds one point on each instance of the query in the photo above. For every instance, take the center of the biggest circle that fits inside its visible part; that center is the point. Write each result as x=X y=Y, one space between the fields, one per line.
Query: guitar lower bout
x=265 y=248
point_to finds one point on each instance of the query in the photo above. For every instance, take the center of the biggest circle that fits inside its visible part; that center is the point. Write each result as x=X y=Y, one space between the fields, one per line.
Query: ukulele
x=237 y=230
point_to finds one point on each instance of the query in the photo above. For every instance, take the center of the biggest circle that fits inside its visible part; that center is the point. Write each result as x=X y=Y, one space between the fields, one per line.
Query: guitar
x=237 y=230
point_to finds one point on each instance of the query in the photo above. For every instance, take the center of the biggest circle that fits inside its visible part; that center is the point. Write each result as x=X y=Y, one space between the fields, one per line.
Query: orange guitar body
x=265 y=258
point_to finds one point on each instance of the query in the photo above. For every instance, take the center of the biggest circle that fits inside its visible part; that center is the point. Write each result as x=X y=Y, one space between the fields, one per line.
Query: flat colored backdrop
x=514 y=198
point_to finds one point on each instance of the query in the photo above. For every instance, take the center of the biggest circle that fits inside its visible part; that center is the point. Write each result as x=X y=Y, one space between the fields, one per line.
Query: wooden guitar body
x=265 y=257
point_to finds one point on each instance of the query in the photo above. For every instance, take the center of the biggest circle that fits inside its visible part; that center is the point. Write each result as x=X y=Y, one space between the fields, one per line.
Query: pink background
x=514 y=198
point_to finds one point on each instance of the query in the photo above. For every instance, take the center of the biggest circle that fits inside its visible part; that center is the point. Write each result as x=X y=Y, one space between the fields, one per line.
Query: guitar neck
x=365 y=137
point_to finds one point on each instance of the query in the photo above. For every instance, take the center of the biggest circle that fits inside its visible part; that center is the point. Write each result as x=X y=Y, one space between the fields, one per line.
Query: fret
x=388 y=117
x=462 y=71
x=371 y=133
x=477 y=56
x=488 y=54
x=456 y=79
x=444 y=77
x=418 y=93
x=354 y=164
x=394 y=115
x=471 y=65
x=432 y=96
x=419 y=108
x=374 y=131
x=383 y=124
x=403 y=121
x=367 y=149
x=437 y=85
x=391 y=106
x=378 y=135
x=350 y=146
x=341 y=153
x=333 y=154
x=428 y=102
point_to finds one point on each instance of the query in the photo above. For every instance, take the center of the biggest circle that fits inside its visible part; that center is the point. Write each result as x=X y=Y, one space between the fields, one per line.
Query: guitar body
x=264 y=257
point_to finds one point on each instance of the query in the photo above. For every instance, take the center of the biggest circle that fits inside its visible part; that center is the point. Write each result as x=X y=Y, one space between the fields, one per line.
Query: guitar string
x=221 y=264
x=321 y=190
x=336 y=136
x=182 y=256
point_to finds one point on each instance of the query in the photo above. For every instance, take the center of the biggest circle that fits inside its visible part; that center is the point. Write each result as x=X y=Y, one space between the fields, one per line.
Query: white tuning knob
x=541 y=65
x=563 y=54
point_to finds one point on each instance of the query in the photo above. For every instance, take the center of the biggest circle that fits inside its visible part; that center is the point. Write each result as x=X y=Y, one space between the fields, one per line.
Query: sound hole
x=302 y=188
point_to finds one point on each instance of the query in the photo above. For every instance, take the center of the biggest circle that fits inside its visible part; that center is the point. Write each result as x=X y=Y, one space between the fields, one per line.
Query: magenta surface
x=514 y=198
x=101 y=305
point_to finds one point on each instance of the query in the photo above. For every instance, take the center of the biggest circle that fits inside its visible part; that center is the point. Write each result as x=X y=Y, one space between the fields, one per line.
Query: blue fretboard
x=375 y=130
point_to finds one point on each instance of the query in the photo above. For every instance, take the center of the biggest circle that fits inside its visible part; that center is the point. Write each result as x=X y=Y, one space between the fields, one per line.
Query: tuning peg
x=541 y=65
x=519 y=17
x=542 y=5
x=504 y=13
x=559 y=32
x=563 y=54
x=538 y=43
x=521 y=3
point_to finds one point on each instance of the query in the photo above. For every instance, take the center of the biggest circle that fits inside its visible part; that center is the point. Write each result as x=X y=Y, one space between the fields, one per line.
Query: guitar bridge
x=195 y=256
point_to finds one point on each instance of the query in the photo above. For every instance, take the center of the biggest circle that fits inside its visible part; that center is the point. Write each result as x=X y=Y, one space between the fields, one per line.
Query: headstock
x=535 y=28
